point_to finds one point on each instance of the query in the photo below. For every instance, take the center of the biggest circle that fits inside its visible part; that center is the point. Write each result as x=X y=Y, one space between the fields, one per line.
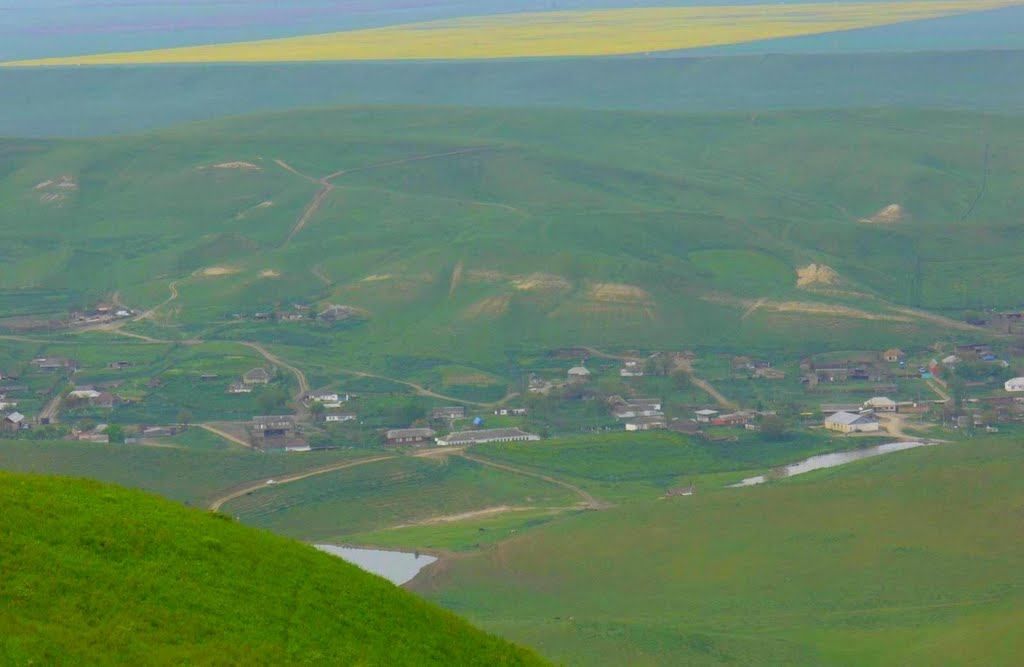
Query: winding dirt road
x=588 y=501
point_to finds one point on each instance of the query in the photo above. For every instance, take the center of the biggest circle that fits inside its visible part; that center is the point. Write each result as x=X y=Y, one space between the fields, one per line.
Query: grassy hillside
x=97 y=574
x=557 y=33
x=540 y=228
x=74 y=101
x=910 y=559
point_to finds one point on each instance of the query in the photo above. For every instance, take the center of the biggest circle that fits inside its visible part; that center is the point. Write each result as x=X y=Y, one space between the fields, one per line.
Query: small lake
x=832 y=460
x=396 y=566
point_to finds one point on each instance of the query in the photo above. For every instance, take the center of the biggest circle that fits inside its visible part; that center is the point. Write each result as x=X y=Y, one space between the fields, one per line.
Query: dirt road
x=49 y=412
x=224 y=434
x=300 y=377
x=684 y=365
x=588 y=501
x=288 y=479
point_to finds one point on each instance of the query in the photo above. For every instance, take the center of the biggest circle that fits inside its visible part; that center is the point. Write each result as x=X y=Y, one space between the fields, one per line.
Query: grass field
x=468 y=238
x=99 y=574
x=388 y=494
x=558 y=33
x=910 y=559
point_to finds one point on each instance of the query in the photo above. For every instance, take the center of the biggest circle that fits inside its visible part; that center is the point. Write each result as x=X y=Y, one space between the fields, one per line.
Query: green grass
x=388 y=494
x=910 y=559
x=193 y=475
x=95 y=574
x=674 y=209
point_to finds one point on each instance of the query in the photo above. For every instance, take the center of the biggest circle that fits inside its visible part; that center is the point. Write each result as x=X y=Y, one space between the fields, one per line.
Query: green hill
x=95 y=574
x=464 y=234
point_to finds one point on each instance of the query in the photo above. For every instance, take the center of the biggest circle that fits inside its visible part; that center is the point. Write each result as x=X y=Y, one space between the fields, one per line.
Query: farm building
x=239 y=388
x=324 y=397
x=408 y=436
x=273 y=426
x=894 y=355
x=13 y=422
x=1016 y=384
x=631 y=369
x=880 y=404
x=646 y=424
x=635 y=407
x=449 y=412
x=705 y=416
x=848 y=422
x=83 y=393
x=579 y=374
x=487 y=435
x=256 y=376
x=732 y=419
x=55 y=364
x=511 y=412
x=338 y=417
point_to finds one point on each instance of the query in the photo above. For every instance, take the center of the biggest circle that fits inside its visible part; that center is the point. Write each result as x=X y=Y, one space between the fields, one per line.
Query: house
x=15 y=421
x=1016 y=384
x=104 y=400
x=951 y=360
x=448 y=413
x=832 y=408
x=705 y=416
x=55 y=364
x=239 y=388
x=511 y=412
x=119 y=365
x=646 y=424
x=880 y=404
x=256 y=376
x=83 y=394
x=848 y=422
x=769 y=373
x=732 y=419
x=334 y=313
x=680 y=492
x=159 y=431
x=894 y=355
x=329 y=399
x=273 y=426
x=487 y=435
x=635 y=407
x=579 y=374
x=338 y=417
x=409 y=436
x=98 y=438
x=631 y=369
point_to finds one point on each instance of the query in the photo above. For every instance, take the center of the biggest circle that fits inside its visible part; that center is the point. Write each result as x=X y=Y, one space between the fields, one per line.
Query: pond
x=397 y=567
x=832 y=460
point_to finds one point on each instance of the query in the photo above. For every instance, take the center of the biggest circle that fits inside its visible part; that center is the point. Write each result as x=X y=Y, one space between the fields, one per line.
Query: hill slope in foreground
x=97 y=574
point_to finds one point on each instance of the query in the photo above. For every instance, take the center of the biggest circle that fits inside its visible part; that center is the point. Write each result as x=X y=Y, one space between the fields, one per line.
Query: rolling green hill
x=464 y=234
x=99 y=575
x=908 y=559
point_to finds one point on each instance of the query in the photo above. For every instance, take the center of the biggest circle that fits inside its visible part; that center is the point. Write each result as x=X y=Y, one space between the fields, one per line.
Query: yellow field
x=564 y=33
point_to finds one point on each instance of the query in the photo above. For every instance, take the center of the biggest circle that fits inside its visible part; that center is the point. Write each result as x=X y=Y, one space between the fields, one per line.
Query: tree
x=185 y=417
x=116 y=433
x=773 y=428
x=681 y=380
x=317 y=409
x=271 y=400
x=958 y=391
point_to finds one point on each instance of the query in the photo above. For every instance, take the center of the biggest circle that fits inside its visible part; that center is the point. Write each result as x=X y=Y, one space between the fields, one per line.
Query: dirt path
x=594 y=352
x=173 y=288
x=588 y=501
x=326 y=186
x=224 y=434
x=278 y=361
x=51 y=409
x=419 y=389
x=939 y=391
x=684 y=365
x=288 y=479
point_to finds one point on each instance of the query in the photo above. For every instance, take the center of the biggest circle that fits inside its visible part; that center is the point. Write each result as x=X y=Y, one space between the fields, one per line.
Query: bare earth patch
x=816 y=274
x=889 y=215
x=492 y=306
x=541 y=282
x=618 y=293
x=215 y=271
x=56 y=190
x=377 y=278
x=239 y=165
x=486 y=276
x=269 y=273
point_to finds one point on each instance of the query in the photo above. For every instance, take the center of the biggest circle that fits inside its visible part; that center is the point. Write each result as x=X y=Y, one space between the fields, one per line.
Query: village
x=965 y=388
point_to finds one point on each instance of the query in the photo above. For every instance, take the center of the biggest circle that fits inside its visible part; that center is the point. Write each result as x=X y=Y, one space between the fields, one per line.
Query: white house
x=705 y=416
x=881 y=404
x=579 y=374
x=339 y=418
x=1016 y=384
x=847 y=422
x=631 y=369
x=84 y=393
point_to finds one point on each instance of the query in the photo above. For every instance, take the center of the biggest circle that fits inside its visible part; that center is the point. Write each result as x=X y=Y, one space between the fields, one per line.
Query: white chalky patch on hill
x=889 y=215
x=269 y=273
x=618 y=293
x=215 y=271
x=242 y=166
x=541 y=282
x=816 y=274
